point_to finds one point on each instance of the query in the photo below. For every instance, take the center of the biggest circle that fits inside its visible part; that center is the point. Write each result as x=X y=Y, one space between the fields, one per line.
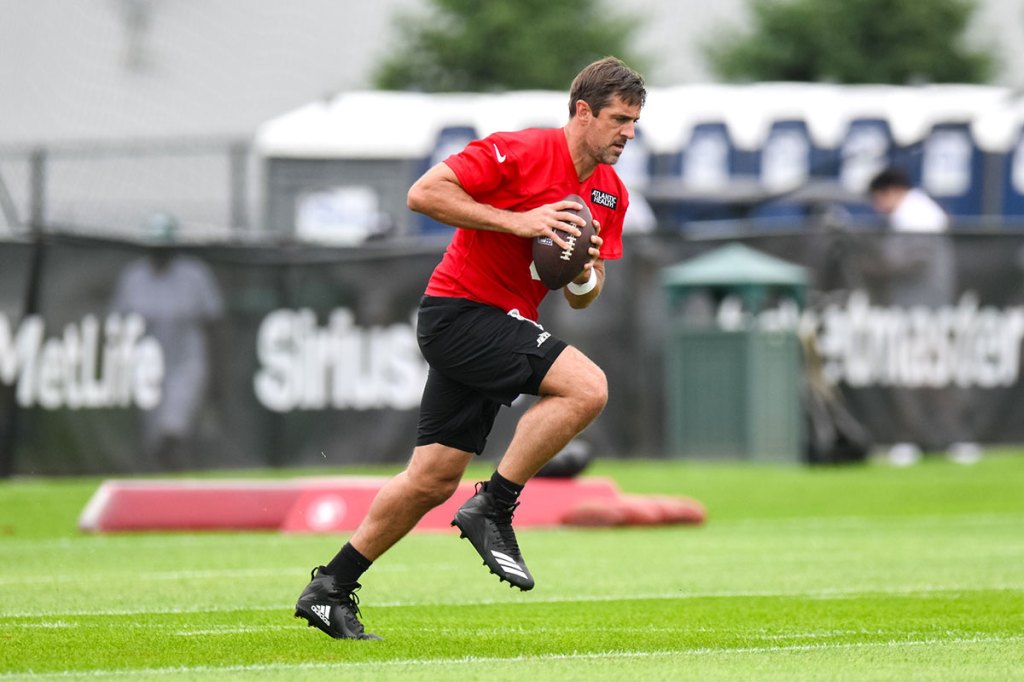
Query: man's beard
x=610 y=155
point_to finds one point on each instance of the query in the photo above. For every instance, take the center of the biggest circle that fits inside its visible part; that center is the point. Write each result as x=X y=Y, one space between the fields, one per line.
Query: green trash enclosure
x=733 y=382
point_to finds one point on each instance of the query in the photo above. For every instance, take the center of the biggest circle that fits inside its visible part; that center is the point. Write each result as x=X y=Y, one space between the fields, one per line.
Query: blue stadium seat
x=709 y=160
x=866 y=149
x=788 y=159
x=693 y=184
x=1013 y=182
x=951 y=169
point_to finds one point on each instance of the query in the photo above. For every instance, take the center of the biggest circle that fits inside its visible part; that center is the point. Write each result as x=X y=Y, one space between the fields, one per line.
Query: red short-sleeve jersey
x=520 y=171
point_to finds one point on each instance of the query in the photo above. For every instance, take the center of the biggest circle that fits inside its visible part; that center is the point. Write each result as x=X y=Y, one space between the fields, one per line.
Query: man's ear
x=583 y=111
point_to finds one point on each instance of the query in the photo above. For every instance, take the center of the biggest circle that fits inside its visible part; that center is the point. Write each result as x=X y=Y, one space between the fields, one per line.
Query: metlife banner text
x=312 y=359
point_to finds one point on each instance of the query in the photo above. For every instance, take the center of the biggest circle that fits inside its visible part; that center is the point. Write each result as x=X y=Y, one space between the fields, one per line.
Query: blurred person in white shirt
x=909 y=209
x=917 y=260
x=178 y=297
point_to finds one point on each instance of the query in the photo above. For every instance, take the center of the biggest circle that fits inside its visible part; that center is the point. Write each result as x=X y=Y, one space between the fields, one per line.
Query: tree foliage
x=853 y=41
x=474 y=45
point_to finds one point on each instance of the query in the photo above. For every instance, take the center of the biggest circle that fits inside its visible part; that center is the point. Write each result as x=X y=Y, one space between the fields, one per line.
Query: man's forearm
x=438 y=195
x=583 y=300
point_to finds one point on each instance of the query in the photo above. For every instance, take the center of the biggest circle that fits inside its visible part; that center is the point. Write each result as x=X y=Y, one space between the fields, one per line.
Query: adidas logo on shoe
x=322 y=610
x=323 y=594
x=509 y=564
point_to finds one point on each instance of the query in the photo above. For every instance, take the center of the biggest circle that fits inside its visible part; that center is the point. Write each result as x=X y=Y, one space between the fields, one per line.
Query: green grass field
x=861 y=573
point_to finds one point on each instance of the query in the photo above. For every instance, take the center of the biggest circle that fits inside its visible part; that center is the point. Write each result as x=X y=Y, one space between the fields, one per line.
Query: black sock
x=347 y=565
x=505 y=491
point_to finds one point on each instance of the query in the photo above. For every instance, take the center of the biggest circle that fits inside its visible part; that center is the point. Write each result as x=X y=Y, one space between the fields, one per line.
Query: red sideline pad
x=300 y=505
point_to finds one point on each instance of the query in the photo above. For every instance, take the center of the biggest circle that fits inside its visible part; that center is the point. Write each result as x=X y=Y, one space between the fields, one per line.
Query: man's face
x=607 y=133
x=886 y=200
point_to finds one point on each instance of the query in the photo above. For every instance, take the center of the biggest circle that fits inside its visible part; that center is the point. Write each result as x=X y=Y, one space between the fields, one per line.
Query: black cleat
x=489 y=529
x=331 y=606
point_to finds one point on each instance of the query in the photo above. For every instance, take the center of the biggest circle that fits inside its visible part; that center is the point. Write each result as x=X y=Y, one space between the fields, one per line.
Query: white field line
x=211 y=574
x=496 y=631
x=231 y=631
x=779 y=557
x=107 y=577
x=862 y=520
x=263 y=538
x=420 y=663
x=828 y=593
x=1007 y=551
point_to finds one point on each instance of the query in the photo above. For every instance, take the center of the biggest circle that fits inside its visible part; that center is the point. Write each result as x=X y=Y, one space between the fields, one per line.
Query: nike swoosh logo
x=501 y=157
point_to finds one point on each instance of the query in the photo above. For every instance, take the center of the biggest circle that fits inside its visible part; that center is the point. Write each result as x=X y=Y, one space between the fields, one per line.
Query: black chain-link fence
x=211 y=186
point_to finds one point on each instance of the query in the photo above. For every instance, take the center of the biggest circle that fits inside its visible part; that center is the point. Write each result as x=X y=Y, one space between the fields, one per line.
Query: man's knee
x=576 y=377
x=592 y=393
x=434 y=473
x=430 y=489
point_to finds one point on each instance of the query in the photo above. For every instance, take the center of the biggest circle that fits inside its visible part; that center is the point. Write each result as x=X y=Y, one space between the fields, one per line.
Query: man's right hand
x=544 y=220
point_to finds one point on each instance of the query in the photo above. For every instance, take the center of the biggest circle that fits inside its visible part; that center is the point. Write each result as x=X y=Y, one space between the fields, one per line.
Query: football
x=555 y=266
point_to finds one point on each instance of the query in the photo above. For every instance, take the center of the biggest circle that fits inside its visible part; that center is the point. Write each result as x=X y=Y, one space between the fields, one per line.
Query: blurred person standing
x=919 y=271
x=917 y=263
x=178 y=297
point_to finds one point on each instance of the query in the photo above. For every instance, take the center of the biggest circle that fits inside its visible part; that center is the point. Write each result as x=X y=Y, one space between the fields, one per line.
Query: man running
x=478 y=331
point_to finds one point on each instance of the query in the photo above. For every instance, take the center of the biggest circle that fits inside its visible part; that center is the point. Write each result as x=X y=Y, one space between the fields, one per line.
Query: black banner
x=311 y=354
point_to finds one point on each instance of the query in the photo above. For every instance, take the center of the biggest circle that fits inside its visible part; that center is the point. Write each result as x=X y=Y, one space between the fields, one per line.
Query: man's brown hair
x=602 y=80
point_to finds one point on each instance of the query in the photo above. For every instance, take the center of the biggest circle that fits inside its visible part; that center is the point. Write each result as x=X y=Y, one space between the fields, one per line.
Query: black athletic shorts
x=480 y=359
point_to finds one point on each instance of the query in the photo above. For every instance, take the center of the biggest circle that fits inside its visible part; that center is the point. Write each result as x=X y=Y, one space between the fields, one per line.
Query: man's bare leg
x=432 y=476
x=328 y=602
x=572 y=395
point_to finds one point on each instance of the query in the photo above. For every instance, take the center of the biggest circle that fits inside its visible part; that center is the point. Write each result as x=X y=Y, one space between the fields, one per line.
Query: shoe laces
x=345 y=594
x=503 y=524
